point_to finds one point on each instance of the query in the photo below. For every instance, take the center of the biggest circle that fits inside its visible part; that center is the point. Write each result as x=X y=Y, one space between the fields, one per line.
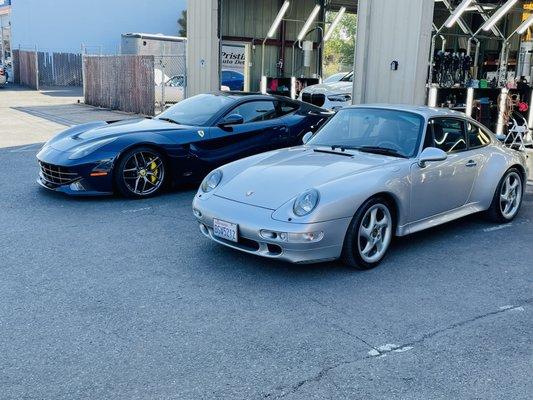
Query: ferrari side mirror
x=233 y=119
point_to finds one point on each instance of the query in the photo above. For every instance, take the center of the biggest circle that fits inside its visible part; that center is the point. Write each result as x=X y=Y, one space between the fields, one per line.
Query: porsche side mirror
x=431 y=154
x=307 y=137
x=233 y=119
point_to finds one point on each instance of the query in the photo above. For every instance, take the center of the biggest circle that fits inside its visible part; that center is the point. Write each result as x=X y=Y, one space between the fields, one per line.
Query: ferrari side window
x=449 y=134
x=256 y=111
x=286 y=107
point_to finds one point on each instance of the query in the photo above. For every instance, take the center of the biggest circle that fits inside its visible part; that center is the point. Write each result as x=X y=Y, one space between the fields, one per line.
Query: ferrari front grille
x=56 y=174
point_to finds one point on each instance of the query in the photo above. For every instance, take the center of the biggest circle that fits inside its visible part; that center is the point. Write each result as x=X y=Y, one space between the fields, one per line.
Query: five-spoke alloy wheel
x=508 y=197
x=369 y=235
x=140 y=173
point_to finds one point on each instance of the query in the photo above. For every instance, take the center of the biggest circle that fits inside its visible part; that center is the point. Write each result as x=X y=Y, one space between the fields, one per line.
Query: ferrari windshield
x=374 y=130
x=196 y=110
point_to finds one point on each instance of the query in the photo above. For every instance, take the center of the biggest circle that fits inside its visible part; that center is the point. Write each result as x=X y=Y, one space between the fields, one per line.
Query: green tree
x=340 y=48
x=182 y=24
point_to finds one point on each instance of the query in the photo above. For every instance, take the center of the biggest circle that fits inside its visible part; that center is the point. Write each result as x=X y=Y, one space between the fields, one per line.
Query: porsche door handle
x=471 y=163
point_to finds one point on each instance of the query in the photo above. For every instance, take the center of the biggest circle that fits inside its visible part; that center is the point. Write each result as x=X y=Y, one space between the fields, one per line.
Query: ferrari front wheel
x=140 y=173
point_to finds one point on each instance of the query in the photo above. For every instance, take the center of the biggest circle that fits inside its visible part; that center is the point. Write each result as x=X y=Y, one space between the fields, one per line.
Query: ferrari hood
x=70 y=139
x=330 y=88
x=275 y=180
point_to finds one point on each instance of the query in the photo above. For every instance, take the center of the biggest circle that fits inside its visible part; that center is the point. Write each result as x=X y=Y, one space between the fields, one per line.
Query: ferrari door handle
x=471 y=163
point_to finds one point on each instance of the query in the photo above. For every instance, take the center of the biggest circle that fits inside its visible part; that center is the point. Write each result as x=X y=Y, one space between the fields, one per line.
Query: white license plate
x=225 y=230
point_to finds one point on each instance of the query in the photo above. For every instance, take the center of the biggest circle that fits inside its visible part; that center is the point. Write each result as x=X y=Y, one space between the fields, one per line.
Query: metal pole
x=263 y=58
x=293 y=57
x=2 y=50
x=36 y=69
x=431 y=59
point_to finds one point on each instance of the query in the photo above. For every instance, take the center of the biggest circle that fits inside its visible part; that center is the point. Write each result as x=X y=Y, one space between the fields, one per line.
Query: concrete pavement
x=29 y=116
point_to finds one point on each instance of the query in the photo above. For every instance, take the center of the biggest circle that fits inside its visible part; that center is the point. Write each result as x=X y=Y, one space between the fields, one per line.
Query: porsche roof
x=425 y=111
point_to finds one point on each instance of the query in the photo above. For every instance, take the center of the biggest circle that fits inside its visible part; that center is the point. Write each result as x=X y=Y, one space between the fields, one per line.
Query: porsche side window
x=449 y=134
x=476 y=136
x=256 y=111
x=428 y=139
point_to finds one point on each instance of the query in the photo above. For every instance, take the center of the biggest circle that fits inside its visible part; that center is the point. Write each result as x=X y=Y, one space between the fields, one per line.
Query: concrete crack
x=381 y=351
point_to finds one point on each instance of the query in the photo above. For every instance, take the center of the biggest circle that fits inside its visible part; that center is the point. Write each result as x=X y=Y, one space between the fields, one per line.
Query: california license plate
x=225 y=230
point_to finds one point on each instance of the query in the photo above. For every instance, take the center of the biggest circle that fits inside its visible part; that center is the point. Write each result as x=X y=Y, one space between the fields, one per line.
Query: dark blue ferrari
x=138 y=158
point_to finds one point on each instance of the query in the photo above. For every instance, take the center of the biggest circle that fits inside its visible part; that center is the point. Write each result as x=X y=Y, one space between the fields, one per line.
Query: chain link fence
x=170 y=80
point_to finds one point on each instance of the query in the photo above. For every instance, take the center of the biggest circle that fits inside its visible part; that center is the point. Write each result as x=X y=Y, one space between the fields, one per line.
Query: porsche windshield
x=373 y=130
x=196 y=110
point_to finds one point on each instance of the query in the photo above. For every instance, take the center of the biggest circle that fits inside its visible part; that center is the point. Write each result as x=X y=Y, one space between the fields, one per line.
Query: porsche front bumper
x=252 y=221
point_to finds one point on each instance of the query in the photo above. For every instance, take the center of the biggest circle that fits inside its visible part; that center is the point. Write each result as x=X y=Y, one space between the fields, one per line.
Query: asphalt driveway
x=116 y=299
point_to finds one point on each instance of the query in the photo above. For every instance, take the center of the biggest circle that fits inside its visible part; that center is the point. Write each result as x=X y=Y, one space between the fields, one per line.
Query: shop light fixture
x=486 y=18
x=432 y=98
x=456 y=14
x=524 y=25
x=334 y=24
x=493 y=20
x=469 y=101
x=277 y=21
x=308 y=23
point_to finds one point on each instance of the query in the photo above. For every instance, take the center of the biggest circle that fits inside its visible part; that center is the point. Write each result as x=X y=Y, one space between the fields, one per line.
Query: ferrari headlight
x=306 y=202
x=340 y=97
x=89 y=148
x=211 y=181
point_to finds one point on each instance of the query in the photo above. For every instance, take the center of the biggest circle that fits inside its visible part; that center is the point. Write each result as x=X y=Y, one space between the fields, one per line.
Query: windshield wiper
x=381 y=150
x=169 y=120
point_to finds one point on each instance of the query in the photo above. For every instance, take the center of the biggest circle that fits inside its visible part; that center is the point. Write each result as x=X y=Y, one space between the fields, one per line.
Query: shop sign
x=233 y=57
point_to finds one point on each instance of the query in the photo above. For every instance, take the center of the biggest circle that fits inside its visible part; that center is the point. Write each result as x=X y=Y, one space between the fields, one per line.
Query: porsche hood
x=274 y=180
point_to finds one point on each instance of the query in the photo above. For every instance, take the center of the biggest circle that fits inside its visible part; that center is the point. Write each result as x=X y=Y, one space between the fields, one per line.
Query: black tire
x=351 y=253
x=129 y=183
x=495 y=212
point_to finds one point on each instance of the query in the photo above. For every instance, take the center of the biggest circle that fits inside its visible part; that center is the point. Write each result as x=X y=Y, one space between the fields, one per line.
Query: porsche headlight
x=87 y=149
x=211 y=181
x=306 y=202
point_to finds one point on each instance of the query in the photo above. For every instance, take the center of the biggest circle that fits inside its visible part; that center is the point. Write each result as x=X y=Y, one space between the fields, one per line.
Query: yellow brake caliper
x=155 y=171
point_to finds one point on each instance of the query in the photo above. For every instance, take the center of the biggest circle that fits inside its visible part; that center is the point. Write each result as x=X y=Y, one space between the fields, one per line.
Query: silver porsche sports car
x=369 y=174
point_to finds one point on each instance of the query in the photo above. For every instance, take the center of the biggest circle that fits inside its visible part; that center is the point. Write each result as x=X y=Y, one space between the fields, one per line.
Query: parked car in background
x=173 y=90
x=331 y=96
x=369 y=174
x=335 y=77
x=137 y=158
x=234 y=80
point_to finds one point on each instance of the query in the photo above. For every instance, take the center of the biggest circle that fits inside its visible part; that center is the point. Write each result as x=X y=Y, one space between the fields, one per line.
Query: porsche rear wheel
x=369 y=235
x=507 y=198
x=140 y=173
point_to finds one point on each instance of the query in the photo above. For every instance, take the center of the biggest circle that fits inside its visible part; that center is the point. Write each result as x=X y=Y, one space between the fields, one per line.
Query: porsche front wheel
x=369 y=235
x=140 y=173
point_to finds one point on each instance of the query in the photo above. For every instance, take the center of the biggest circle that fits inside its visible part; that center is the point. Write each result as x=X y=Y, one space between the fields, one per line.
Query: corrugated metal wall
x=392 y=30
x=251 y=19
x=202 y=46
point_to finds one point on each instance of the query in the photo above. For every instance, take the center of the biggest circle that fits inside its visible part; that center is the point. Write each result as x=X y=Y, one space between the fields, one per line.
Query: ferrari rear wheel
x=140 y=173
x=369 y=235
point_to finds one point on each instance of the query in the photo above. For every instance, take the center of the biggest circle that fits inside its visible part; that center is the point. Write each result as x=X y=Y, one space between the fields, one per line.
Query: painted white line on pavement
x=497 y=228
x=136 y=210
